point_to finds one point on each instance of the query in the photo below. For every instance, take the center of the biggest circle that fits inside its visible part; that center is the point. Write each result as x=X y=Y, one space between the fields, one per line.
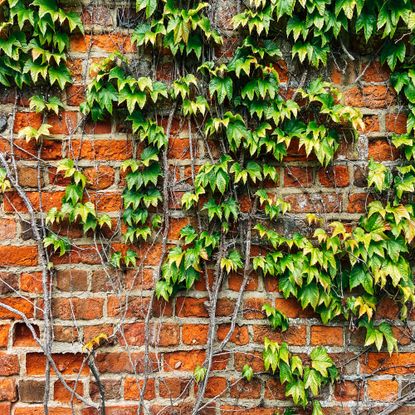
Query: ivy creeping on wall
x=34 y=40
x=242 y=117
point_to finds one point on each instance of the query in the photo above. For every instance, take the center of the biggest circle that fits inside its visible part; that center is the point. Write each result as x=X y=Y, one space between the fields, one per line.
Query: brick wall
x=88 y=299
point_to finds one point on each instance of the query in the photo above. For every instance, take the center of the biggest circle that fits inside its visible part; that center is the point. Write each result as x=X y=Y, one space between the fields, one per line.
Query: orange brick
x=396 y=123
x=186 y=361
x=4 y=335
x=195 y=333
x=133 y=387
x=382 y=390
x=327 y=336
x=61 y=394
x=67 y=363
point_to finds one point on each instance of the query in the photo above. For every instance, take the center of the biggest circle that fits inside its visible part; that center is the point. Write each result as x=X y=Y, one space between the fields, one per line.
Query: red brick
x=7 y=229
x=274 y=390
x=14 y=202
x=195 y=333
x=176 y=225
x=79 y=308
x=382 y=390
x=111 y=389
x=186 y=361
x=327 y=336
x=225 y=307
x=96 y=15
x=90 y=332
x=26 y=119
x=253 y=308
x=246 y=390
x=382 y=150
x=8 y=390
x=291 y=308
x=9 y=364
x=76 y=67
x=191 y=307
x=295 y=335
x=8 y=283
x=31 y=283
x=75 y=95
x=315 y=202
x=179 y=148
x=51 y=149
x=99 y=177
x=118 y=362
x=5 y=408
x=335 y=176
x=133 y=387
x=64 y=123
x=348 y=391
x=133 y=334
x=104 y=150
x=38 y=410
x=216 y=386
x=376 y=73
x=61 y=394
x=240 y=335
x=4 y=335
x=387 y=309
x=65 y=334
x=19 y=304
x=173 y=387
x=298 y=176
x=80 y=254
x=358 y=202
x=241 y=410
x=98 y=127
x=396 y=123
x=137 y=306
x=396 y=364
x=67 y=364
x=252 y=359
x=371 y=124
x=373 y=97
x=18 y=255
x=235 y=282
x=109 y=43
x=72 y=280
x=28 y=176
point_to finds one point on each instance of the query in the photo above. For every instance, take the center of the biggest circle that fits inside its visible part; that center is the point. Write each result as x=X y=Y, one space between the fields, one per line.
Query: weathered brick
x=8 y=390
x=7 y=229
x=72 y=280
x=78 y=308
x=99 y=177
x=9 y=364
x=31 y=391
x=31 y=282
